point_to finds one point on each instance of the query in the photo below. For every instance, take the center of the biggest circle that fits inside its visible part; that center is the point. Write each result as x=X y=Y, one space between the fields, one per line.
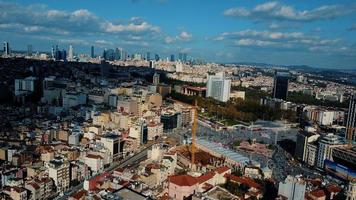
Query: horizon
x=317 y=34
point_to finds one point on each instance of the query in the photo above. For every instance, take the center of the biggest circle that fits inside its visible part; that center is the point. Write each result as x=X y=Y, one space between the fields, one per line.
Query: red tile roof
x=183 y=180
x=222 y=169
x=205 y=177
x=317 y=193
x=243 y=180
x=35 y=185
x=333 y=188
x=79 y=194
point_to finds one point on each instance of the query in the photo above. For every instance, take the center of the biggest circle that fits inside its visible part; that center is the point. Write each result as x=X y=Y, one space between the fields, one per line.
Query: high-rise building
x=53 y=54
x=60 y=55
x=351 y=120
x=326 y=146
x=70 y=53
x=156 y=57
x=109 y=54
x=29 y=50
x=280 y=86
x=303 y=139
x=292 y=188
x=92 y=52
x=182 y=57
x=172 y=58
x=218 y=87
x=118 y=54
x=148 y=56
x=152 y=64
x=156 y=79
x=7 y=49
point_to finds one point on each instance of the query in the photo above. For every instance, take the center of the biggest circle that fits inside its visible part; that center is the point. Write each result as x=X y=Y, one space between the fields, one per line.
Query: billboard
x=340 y=171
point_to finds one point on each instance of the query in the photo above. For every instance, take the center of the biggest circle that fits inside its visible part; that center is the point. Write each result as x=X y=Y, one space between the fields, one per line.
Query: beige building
x=237 y=94
x=16 y=193
x=59 y=171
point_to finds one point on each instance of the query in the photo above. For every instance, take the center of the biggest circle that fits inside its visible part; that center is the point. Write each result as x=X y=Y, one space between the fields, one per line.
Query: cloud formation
x=280 y=40
x=277 y=11
x=182 y=36
x=40 y=19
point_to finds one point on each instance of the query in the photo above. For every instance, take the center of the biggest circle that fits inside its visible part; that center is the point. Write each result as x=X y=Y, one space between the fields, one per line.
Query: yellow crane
x=194 y=131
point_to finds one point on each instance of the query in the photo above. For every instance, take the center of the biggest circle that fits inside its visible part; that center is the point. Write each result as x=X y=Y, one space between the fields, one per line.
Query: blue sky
x=320 y=33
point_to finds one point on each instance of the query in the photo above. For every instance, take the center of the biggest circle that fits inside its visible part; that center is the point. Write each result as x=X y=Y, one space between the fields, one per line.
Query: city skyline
x=319 y=34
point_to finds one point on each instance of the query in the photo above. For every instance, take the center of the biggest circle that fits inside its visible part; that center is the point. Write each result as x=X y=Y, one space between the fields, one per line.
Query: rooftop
x=223 y=151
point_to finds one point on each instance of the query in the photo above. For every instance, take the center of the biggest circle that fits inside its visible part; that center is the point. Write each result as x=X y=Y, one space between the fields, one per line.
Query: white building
x=325 y=117
x=218 y=87
x=70 y=53
x=292 y=188
x=73 y=139
x=94 y=162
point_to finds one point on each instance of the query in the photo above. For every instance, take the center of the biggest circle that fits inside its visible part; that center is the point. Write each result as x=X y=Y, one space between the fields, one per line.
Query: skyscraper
x=280 y=86
x=351 y=119
x=6 y=49
x=152 y=64
x=70 y=53
x=118 y=54
x=184 y=57
x=29 y=50
x=218 y=87
x=109 y=54
x=148 y=56
x=92 y=52
x=156 y=57
x=53 y=54
x=172 y=58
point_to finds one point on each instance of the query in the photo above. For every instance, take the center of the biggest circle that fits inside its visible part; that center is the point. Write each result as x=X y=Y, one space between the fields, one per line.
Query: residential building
x=58 y=170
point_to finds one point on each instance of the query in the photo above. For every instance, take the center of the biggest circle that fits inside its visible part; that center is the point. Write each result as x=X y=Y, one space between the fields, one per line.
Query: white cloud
x=40 y=18
x=284 y=40
x=277 y=11
x=185 y=36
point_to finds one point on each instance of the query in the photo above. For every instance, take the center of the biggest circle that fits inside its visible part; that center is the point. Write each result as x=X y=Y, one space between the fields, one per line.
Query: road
x=123 y=163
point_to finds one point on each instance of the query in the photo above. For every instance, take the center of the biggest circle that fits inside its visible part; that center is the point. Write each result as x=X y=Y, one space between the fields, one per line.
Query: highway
x=123 y=163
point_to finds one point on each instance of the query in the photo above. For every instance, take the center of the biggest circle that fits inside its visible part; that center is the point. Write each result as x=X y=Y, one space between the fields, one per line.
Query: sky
x=319 y=33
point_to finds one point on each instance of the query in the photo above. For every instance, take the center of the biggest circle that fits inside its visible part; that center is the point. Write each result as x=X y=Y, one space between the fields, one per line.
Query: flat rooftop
x=224 y=151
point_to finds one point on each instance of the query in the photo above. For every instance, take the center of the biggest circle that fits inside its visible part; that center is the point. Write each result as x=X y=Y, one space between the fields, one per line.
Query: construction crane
x=194 y=131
